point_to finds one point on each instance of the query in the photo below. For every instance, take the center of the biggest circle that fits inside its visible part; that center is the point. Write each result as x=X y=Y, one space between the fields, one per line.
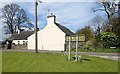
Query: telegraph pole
x=35 y=28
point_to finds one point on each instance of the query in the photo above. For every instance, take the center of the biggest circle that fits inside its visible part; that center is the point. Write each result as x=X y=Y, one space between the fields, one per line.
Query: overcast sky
x=71 y=14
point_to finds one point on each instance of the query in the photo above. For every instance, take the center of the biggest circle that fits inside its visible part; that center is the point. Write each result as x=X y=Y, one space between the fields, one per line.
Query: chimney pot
x=51 y=18
x=18 y=31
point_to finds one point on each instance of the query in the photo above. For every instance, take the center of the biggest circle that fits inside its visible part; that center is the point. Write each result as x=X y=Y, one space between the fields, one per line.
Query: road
x=112 y=56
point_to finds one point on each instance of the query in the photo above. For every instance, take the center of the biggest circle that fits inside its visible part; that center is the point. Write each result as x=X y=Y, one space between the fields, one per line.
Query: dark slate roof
x=22 y=36
x=65 y=30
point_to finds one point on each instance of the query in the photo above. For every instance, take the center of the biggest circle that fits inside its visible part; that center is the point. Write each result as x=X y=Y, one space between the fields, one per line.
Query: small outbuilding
x=19 y=38
x=51 y=37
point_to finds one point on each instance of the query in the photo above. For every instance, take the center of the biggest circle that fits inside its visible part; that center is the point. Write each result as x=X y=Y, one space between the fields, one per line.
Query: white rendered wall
x=49 y=38
x=31 y=42
x=16 y=42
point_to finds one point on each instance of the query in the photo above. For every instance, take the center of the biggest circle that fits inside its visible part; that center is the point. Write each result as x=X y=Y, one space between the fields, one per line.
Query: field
x=45 y=62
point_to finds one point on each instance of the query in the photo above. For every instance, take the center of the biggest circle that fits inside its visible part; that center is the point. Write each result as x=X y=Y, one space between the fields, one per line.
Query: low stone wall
x=20 y=47
x=16 y=47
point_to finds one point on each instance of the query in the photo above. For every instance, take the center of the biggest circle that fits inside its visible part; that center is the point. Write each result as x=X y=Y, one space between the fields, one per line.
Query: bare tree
x=97 y=23
x=107 y=6
x=8 y=12
x=119 y=8
x=20 y=18
x=14 y=16
x=110 y=8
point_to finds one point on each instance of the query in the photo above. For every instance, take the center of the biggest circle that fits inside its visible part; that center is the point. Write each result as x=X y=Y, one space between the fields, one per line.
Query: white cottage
x=20 y=38
x=51 y=37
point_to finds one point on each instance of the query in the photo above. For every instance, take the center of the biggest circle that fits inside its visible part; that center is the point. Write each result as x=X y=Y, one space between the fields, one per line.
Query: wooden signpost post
x=69 y=48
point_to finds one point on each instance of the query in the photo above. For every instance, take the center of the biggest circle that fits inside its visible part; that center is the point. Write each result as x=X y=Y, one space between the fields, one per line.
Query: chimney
x=51 y=18
x=18 y=31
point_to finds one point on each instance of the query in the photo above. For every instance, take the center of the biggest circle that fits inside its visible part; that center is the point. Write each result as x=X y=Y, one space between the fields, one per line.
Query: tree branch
x=99 y=10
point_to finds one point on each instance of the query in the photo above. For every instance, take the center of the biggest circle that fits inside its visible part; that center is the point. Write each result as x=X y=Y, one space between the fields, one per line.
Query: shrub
x=107 y=39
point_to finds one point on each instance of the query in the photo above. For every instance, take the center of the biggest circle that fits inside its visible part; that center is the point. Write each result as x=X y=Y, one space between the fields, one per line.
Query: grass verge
x=45 y=62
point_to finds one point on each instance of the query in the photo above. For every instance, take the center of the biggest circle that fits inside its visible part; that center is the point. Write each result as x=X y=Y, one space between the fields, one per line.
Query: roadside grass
x=45 y=62
x=0 y=61
x=117 y=50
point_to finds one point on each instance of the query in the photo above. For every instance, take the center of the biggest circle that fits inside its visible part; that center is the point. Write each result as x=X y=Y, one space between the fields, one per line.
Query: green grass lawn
x=44 y=62
x=0 y=61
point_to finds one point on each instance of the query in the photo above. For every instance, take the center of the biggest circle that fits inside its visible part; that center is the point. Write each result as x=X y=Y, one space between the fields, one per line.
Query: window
x=18 y=42
x=23 y=42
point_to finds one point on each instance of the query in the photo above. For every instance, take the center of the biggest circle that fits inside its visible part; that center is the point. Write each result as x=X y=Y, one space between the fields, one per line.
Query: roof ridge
x=64 y=29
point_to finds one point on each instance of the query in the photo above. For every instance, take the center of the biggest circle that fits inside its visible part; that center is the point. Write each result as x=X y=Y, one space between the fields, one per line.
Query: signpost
x=69 y=48
x=76 y=48
x=81 y=38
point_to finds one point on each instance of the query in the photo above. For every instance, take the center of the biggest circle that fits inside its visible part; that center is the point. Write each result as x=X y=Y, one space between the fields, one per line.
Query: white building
x=20 y=38
x=51 y=37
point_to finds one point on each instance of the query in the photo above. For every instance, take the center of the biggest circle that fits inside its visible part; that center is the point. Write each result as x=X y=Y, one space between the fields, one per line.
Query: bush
x=88 y=45
x=107 y=39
